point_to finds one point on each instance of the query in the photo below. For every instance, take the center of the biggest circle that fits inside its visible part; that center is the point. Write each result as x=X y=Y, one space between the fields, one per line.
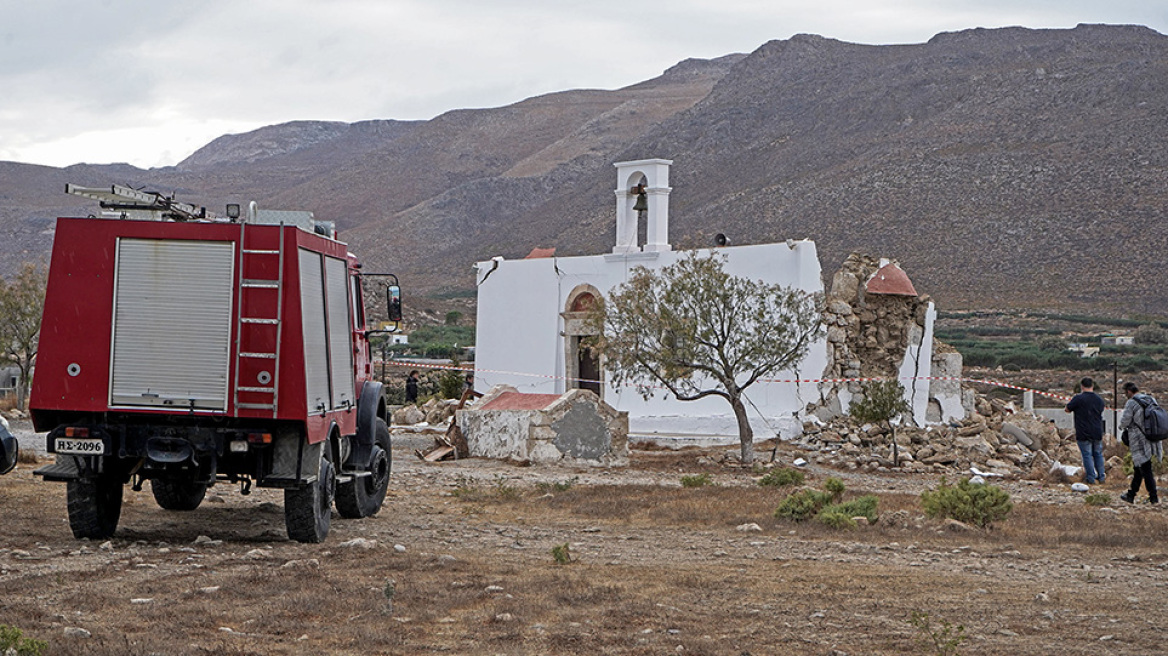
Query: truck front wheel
x=363 y=496
x=308 y=510
x=178 y=495
x=95 y=505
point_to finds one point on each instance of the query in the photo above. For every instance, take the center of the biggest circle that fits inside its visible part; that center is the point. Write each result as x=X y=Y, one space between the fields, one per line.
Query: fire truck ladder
x=259 y=324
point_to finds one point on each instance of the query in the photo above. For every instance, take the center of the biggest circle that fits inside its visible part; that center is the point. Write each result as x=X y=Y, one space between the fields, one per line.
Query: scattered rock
x=399 y=548
x=749 y=528
x=358 y=543
x=76 y=632
x=311 y=563
x=957 y=527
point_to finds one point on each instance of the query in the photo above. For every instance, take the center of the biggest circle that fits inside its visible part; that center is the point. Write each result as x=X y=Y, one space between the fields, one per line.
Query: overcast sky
x=150 y=81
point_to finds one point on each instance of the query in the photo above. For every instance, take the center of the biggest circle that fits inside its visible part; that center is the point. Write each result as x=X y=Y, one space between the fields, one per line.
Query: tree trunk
x=745 y=432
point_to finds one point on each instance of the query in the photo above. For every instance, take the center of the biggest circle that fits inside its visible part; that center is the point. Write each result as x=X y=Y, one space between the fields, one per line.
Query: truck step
x=66 y=470
x=264 y=356
x=264 y=390
x=258 y=320
x=250 y=251
x=255 y=406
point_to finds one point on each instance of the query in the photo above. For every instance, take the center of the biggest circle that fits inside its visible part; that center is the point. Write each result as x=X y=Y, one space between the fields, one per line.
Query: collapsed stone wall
x=995 y=439
x=867 y=334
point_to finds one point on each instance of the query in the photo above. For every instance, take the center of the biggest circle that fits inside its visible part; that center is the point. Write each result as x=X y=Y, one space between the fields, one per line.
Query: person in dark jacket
x=1142 y=450
x=412 y=387
x=1088 y=409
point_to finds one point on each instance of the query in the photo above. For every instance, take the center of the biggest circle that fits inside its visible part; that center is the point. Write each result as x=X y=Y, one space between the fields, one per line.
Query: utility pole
x=1115 y=397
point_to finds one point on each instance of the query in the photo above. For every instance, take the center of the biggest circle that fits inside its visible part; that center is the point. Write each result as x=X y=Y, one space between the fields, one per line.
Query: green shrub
x=562 y=554
x=836 y=519
x=696 y=480
x=782 y=477
x=450 y=385
x=1159 y=465
x=1097 y=499
x=977 y=504
x=802 y=505
x=864 y=506
x=835 y=487
x=12 y=638
x=944 y=638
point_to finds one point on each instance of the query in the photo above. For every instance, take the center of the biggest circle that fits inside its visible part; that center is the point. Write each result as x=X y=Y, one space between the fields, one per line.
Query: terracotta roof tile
x=540 y=252
x=521 y=401
x=891 y=279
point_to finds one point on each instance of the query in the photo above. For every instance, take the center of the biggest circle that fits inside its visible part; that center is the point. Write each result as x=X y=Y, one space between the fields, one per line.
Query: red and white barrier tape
x=871 y=379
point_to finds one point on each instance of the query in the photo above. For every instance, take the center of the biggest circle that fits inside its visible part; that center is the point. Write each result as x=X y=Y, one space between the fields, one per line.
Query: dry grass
x=653 y=567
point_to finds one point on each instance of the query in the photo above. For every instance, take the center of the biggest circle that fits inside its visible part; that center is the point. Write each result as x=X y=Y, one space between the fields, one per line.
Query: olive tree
x=697 y=331
x=22 y=301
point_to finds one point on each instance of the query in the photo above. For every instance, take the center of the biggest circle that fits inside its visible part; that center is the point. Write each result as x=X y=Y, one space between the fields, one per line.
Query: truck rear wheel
x=362 y=497
x=95 y=505
x=178 y=495
x=308 y=510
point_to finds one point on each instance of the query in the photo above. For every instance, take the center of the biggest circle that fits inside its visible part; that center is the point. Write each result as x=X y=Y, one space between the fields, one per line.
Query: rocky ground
x=460 y=561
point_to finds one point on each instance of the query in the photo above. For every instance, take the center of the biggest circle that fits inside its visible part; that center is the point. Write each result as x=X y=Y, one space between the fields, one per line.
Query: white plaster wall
x=519 y=340
x=499 y=434
x=918 y=364
x=948 y=393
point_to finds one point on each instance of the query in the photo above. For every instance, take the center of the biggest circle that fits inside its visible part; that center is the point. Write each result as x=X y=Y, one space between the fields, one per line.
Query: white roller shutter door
x=340 y=333
x=172 y=323
x=312 y=305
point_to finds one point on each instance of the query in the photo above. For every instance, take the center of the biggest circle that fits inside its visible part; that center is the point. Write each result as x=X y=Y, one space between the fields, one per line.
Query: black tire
x=95 y=505
x=308 y=510
x=178 y=495
x=363 y=497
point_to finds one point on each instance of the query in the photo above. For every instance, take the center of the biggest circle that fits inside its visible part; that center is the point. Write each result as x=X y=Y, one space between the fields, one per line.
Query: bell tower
x=642 y=189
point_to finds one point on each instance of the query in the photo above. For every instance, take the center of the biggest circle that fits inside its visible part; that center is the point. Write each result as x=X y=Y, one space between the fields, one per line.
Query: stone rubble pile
x=996 y=439
x=435 y=412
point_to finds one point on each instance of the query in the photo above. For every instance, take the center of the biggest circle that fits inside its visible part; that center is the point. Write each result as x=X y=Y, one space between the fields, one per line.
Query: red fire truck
x=186 y=350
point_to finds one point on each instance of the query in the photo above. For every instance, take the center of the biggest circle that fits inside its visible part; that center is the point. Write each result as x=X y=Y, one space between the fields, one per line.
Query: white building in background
x=530 y=322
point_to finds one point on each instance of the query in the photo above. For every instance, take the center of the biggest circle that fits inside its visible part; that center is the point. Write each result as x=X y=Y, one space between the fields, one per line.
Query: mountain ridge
x=1003 y=168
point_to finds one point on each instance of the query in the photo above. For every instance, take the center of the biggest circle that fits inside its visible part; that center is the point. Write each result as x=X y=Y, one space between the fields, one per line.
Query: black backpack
x=1155 y=422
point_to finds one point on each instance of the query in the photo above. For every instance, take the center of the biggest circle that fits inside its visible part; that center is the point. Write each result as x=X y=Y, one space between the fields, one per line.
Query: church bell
x=642 y=204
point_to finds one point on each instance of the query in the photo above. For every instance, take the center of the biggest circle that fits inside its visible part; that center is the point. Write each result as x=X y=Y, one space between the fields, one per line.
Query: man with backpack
x=1088 y=409
x=1132 y=423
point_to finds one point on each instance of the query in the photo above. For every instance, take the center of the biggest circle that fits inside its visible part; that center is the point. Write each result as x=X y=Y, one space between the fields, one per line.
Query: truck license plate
x=78 y=447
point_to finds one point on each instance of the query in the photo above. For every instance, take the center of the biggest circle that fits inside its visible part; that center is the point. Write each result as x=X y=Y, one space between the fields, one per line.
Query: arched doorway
x=583 y=367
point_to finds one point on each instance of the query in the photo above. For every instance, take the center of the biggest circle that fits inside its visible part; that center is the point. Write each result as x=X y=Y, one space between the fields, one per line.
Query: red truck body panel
x=75 y=354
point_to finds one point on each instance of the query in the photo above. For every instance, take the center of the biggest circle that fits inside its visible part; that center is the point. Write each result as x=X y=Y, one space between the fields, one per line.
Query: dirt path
x=463 y=551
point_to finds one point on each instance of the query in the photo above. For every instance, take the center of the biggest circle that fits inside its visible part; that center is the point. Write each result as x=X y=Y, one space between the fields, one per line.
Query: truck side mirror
x=393 y=303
